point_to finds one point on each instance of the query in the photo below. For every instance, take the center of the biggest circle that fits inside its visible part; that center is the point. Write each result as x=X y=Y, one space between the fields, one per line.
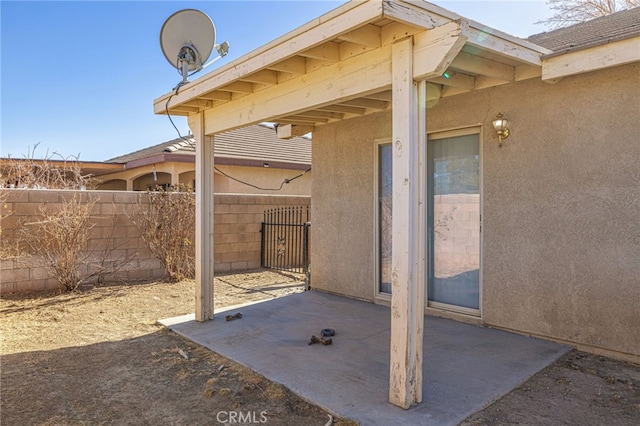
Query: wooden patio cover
x=361 y=58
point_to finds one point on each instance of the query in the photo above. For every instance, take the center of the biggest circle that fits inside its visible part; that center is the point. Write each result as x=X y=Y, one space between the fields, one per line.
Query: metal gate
x=285 y=239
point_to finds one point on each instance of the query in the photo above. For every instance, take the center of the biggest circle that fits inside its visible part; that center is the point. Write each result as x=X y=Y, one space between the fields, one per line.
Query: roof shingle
x=606 y=29
x=257 y=142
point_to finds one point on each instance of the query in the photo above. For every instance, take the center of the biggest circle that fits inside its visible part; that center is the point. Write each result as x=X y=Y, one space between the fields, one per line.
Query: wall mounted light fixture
x=500 y=125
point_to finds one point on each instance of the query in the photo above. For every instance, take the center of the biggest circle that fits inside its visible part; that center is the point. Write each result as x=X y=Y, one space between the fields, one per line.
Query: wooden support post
x=204 y=218
x=407 y=296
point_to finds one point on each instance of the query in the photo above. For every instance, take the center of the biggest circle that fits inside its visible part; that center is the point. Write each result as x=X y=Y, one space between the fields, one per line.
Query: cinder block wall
x=238 y=219
x=236 y=229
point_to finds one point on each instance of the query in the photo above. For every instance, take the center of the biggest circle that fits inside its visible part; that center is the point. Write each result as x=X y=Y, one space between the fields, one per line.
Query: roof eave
x=596 y=57
x=345 y=19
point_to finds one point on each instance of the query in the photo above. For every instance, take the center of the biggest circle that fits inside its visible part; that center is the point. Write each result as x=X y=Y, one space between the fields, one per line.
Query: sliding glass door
x=453 y=203
x=385 y=192
x=453 y=221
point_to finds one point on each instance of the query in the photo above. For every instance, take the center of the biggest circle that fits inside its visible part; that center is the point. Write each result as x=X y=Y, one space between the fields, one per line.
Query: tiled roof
x=257 y=142
x=606 y=29
x=143 y=153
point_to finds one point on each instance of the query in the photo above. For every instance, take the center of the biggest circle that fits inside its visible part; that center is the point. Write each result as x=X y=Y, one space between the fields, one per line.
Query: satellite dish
x=187 y=39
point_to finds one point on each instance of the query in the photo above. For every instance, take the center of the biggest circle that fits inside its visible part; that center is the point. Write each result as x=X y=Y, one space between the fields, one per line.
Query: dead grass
x=97 y=356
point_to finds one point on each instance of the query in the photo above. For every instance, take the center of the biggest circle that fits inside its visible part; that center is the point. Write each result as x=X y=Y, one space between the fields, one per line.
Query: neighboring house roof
x=247 y=145
x=606 y=29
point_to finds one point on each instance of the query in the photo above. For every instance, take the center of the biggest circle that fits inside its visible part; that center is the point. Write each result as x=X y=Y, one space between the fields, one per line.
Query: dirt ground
x=97 y=356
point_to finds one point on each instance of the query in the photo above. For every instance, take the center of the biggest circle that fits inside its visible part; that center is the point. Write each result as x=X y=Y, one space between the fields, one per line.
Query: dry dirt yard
x=97 y=356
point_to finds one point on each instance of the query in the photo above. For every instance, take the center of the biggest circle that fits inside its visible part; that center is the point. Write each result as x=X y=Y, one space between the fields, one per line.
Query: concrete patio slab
x=465 y=368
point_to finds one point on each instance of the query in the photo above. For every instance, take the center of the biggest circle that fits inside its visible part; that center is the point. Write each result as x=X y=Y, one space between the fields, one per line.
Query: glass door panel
x=385 y=188
x=454 y=221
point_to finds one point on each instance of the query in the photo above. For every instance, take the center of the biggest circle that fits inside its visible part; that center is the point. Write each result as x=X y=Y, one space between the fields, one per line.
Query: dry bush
x=54 y=171
x=7 y=247
x=61 y=238
x=167 y=226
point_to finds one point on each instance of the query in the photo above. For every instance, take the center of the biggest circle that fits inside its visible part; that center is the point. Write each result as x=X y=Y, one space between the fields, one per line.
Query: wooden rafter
x=477 y=65
x=239 y=87
x=295 y=65
x=217 y=95
x=368 y=35
x=343 y=109
x=262 y=77
x=329 y=52
x=367 y=103
x=456 y=79
x=321 y=114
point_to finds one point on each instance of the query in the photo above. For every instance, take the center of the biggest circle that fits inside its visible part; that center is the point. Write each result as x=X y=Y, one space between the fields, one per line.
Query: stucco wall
x=342 y=258
x=269 y=178
x=561 y=228
x=174 y=172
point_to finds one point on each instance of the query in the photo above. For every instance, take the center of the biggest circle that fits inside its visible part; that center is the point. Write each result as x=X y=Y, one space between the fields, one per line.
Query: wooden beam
x=475 y=64
x=407 y=306
x=513 y=50
x=185 y=109
x=299 y=118
x=482 y=82
x=343 y=109
x=316 y=64
x=425 y=97
x=204 y=219
x=395 y=31
x=262 y=77
x=605 y=56
x=298 y=121
x=294 y=65
x=452 y=91
x=386 y=96
x=199 y=103
x=328 y=52
x=336 y=83
x=525 y=72
x=368 y=35
x=239 y=87
x=434 y=50
x=216 y=95
x=288 y=131
x=348 y=49
x=321 y=114
x=456 y=79
x=367 y=103
x=414 y=15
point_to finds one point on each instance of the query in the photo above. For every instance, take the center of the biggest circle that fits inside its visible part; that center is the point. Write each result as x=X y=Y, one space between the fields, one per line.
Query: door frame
x=378 y=296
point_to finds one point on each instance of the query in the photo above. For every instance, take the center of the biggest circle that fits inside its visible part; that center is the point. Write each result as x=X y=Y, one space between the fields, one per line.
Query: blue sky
x=79 y=78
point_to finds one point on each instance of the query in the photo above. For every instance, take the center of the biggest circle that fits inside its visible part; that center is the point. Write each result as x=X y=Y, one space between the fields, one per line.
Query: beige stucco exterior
x=558 y=200
x=561 y=229
x=141 y=178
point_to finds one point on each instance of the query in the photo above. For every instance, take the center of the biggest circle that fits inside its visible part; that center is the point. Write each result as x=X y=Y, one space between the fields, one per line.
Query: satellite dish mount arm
x=188 y=57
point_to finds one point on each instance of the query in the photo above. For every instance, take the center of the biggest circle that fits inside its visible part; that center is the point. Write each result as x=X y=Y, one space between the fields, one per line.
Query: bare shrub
x=167 y=226
x=8 y=247
x=61 y=238
x=54 y=171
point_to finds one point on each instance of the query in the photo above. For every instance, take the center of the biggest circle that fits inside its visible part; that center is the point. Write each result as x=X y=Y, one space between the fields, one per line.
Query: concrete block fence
x=237 y=223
